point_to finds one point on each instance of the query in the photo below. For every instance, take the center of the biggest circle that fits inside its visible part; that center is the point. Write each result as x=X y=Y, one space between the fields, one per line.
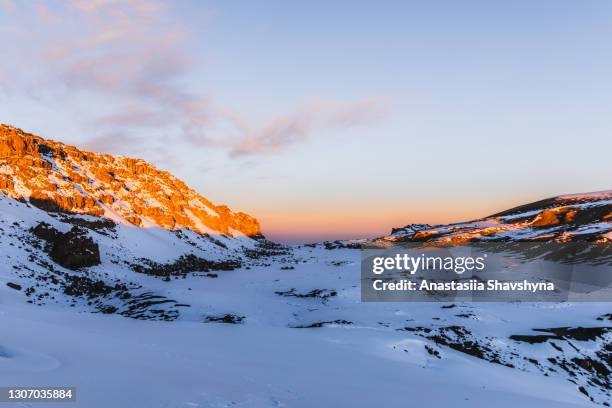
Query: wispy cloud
x=129 y=59
x=127 y=53
x=7 y=5
x=285 y=131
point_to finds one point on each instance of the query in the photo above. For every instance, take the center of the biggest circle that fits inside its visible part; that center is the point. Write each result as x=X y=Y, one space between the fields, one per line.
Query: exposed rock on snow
x=73 y=249
x=226 y=318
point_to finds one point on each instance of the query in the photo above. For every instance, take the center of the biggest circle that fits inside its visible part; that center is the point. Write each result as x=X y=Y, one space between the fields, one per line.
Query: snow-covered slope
x=89 y=263
x=82 y=229
x=302 y=338
x=576 y=217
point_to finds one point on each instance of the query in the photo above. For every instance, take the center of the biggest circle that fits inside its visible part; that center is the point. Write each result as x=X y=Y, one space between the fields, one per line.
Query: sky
x=326 y=120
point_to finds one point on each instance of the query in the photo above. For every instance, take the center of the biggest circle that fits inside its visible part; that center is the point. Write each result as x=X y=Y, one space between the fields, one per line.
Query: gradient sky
x=325 y=119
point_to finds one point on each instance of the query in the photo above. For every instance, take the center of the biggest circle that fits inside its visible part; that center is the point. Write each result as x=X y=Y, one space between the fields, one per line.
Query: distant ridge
x=571 y=217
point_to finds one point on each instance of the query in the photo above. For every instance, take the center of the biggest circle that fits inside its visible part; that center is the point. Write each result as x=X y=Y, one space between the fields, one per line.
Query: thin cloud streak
x=283 y=132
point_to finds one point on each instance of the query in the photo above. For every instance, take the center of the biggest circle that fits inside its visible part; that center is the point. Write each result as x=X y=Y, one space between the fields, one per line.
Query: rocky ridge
x=57 y=177
x=567 y=218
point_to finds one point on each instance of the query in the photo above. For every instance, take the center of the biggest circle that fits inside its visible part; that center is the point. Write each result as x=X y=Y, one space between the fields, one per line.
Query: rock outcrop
x=73 y=249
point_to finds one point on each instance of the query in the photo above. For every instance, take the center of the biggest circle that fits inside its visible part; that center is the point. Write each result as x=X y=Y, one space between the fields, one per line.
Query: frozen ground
x=265 y=362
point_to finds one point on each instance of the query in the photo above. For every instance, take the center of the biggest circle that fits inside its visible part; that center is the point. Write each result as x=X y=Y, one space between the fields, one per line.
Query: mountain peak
x=57 y=177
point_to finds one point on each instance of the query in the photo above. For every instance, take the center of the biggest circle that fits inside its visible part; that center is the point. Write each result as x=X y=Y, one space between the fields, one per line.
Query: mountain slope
x=576 y=217
x=60 y=178
x=96 y=232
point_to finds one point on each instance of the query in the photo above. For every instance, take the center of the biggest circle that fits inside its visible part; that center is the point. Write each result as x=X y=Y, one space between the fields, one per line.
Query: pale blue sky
x=327 y=119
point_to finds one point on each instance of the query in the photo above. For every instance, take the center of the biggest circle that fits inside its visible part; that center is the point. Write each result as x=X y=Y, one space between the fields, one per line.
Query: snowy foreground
x=365 y=359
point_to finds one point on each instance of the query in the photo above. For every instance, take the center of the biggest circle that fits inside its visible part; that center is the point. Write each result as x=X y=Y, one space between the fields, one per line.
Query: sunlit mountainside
x=60 y=178
x=576 y=217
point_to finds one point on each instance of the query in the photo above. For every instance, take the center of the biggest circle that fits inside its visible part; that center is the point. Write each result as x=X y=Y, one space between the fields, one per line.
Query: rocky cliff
x=57 y=177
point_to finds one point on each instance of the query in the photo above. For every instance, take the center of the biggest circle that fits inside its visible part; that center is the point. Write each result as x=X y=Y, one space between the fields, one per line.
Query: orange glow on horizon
x=317 y=223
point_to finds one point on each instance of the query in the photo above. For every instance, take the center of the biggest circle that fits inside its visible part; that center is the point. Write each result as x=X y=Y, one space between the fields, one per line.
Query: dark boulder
x=226 y=318
x=73 y=249
x=13 y=286
x=46 y=232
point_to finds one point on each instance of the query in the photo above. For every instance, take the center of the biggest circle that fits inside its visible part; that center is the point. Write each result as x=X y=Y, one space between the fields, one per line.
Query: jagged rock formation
x=61 y=178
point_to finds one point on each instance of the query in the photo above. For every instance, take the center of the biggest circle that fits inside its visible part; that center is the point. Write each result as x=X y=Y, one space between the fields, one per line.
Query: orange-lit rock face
x=58 y=177
x=561 y=215
x=546 y=218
